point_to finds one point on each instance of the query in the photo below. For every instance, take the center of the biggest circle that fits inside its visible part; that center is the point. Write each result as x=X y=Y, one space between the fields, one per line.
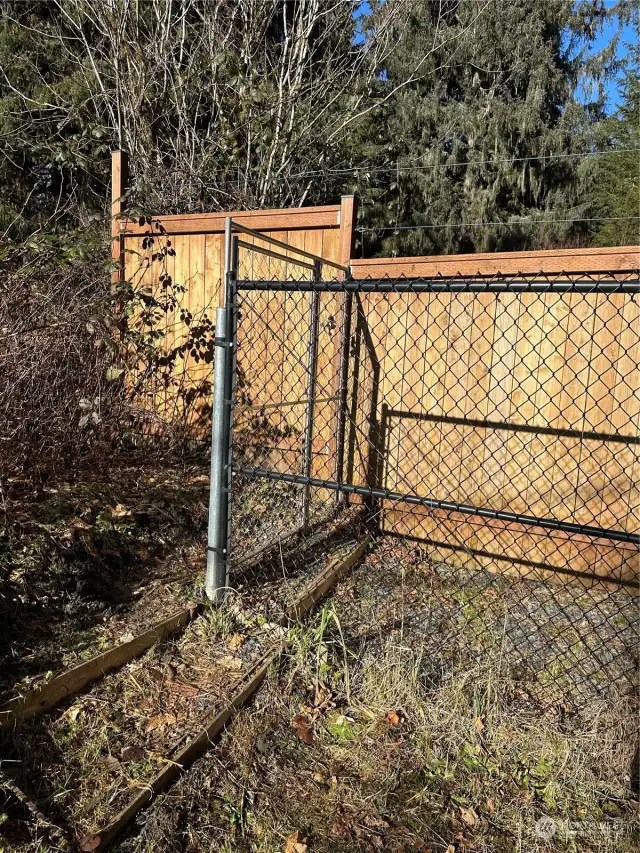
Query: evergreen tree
x=449 y=112
x=616 y=184
x=491 y=101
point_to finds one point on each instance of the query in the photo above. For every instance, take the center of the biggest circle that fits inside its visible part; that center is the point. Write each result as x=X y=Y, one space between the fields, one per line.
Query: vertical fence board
x=538 y=365
x=198 y=243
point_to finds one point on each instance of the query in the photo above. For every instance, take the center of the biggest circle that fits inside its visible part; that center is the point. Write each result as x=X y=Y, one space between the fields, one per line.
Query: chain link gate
x=493 y=422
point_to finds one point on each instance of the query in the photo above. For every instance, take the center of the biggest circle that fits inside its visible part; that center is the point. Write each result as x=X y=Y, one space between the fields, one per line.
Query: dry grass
x=84 y=762
x=399 y=760
x=87 y=760
x=363 y=739
x=396 y=770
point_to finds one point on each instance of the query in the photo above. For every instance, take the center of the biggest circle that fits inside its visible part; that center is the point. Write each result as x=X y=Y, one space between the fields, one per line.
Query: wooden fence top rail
x=609 y=259
x=288 y=219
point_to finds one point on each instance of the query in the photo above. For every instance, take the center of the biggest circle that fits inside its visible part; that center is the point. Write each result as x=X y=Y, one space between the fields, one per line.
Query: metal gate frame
x=219 y=524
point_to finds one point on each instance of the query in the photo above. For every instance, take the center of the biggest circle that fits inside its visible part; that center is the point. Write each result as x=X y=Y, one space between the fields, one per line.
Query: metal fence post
x=216 y=578
x=219 y=528
x=312 y=358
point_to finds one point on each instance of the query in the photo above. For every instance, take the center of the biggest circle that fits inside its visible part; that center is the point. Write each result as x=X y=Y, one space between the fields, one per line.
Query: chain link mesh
x=485 y=430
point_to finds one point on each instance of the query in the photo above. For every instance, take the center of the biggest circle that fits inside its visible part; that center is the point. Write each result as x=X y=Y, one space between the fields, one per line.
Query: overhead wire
x=401 y=167
x=495 y=222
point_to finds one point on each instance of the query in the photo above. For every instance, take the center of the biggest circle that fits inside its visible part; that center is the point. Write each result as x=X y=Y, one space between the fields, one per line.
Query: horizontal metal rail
x=258 y=235
x=259 y=407
x=278 y=256
x=449 y=506
x=418 y=285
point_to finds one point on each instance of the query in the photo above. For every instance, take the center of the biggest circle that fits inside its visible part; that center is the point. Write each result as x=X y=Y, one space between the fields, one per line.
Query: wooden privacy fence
x=196 y=263
x=528 y=403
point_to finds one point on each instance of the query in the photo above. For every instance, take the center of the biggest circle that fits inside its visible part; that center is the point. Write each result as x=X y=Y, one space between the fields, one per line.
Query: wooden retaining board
x=52 y=693
x=215 y=722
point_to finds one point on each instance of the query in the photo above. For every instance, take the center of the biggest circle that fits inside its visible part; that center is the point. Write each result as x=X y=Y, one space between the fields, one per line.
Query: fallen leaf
x=79 y=524
x=338 y=827
x=112 y=762
x=323 y=698
x=469 y=816
x=478 y=724
x=73 y=713
x=296 y=843
x=235 y=641
x=230 y=662
x=302 y=726
x=159 y=721
x=188 y=690
x=199 y=479
x=393 y=718
x=491 y=805
x=120 y=511
x=132 y=753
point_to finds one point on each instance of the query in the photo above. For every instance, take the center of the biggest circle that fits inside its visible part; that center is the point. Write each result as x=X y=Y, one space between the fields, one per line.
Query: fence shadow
x=364 y=398
x=498 y=545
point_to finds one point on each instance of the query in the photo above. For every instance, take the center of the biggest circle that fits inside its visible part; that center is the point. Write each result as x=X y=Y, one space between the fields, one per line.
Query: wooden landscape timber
x=266 y=552
x=322 y=583
x=53 y=831
x=52 y=693
x=215 y=722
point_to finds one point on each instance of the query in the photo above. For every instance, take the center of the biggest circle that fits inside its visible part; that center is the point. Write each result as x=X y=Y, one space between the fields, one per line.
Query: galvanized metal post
x=219 y=529
x=216 y=579
x=312 y=358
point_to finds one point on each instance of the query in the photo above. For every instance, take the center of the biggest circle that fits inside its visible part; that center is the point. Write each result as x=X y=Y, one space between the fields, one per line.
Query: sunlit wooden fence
x=535 y=396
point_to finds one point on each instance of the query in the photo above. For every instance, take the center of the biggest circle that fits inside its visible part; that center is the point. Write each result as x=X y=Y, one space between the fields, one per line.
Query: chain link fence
x=484 y=431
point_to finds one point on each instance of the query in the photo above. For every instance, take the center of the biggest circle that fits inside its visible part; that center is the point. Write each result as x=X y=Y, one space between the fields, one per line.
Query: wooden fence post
x=119 y=182
x=348 y=213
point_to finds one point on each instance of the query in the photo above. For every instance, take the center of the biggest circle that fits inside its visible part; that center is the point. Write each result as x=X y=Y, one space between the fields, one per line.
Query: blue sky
x=603 y=39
